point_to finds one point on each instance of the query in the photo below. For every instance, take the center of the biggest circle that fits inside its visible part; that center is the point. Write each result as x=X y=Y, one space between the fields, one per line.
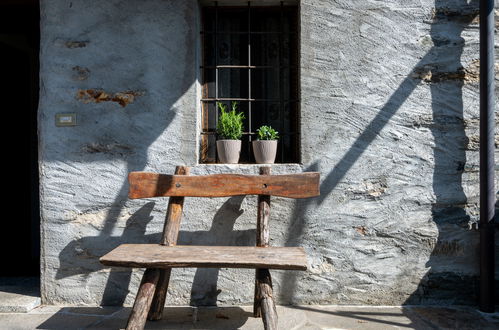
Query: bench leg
x=257 y=311
x=265 y=299
x=143 y=300
x=158 y=302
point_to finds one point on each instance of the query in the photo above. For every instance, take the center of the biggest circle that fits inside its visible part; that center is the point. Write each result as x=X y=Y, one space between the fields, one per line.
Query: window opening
x=250 y=55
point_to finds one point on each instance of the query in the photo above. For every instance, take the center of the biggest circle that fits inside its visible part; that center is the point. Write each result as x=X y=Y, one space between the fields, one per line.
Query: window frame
x=293 y=83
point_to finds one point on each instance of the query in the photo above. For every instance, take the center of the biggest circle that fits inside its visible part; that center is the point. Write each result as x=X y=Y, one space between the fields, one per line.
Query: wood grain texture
x=146 y=185
x=263 y=215
x=158 y=301
x=159 y=256
x=138 y=316
x=174 y=214
x=266 y=299
x=262 y=235
x=169 y=237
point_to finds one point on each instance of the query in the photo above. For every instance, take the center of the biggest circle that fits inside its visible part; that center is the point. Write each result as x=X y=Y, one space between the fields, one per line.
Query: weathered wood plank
x=169 y=237
x=138 y=316
x=145 y=185
x=262 y=235
x=159 y=256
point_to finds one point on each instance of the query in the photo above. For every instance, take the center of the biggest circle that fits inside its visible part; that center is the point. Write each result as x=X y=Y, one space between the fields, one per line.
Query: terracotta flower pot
x=229 y=151
x=265 y=151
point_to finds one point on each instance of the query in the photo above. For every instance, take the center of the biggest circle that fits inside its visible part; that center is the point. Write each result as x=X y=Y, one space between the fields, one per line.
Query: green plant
x=267 y=133
x=230 y=123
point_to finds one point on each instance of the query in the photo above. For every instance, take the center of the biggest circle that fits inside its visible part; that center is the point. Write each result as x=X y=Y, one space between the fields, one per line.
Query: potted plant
x=229 y=130
x=265 y=148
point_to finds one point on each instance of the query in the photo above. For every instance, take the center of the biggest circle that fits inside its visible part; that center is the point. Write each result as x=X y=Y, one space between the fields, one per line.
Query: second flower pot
x=265 y=151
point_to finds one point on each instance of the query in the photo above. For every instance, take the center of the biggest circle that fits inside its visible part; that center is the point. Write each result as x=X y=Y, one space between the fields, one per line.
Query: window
x=250 y=55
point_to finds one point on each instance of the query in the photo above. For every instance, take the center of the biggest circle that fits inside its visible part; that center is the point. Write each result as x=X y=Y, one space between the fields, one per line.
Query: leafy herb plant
x=230 y=123
x=267 y=133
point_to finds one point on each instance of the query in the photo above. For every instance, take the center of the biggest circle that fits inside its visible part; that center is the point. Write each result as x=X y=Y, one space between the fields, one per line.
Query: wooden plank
x=138 y=316
x=169 y=237
x=262 y=236
x=159 y=256
x=145 y=185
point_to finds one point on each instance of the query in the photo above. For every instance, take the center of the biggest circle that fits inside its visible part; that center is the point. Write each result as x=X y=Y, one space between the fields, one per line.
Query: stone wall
x=389 y=116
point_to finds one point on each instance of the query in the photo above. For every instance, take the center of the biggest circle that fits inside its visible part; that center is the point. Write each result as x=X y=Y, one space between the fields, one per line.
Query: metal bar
x=487 y=125
x=248 y=100
x=246 y=32
x=216 y=55
x=204 y=107
x=211 y=132
x=246 y=66
x=281 y=119
x=295 y=74
x=216 y=75
x=293 y=24
x=249 y=79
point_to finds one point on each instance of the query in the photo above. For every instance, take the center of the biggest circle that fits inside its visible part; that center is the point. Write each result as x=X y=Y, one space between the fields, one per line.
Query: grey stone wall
x=389 y=116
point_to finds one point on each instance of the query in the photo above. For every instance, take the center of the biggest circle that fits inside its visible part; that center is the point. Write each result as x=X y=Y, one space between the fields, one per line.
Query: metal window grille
x=250 y=55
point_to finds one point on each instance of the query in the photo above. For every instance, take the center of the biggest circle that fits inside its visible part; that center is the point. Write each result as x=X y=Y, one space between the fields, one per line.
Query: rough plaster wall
x=398 y=150
x=389 y=118
x=128 y=70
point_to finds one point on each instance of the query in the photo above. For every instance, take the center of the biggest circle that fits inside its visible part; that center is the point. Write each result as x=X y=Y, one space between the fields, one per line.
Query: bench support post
x=265 y=299
x=170 y=236
x=143 y=300
x=158 y=302
x=264 y=305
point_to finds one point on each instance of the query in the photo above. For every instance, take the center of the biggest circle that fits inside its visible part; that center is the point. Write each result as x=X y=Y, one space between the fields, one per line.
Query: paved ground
x=19 y=294
x=296 y=317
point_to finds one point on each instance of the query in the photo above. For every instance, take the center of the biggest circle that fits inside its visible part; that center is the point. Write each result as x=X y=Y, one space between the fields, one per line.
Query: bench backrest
x=146 y=185
x=180 y=185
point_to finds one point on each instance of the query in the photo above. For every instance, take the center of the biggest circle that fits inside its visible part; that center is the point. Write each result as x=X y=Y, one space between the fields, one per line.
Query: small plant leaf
x=267 y=133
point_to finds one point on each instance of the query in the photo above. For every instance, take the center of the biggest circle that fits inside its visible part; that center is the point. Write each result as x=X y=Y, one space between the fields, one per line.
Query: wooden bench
x=159 y=259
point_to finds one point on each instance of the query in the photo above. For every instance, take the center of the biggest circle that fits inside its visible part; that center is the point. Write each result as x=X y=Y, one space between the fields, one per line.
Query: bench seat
x=161 y=256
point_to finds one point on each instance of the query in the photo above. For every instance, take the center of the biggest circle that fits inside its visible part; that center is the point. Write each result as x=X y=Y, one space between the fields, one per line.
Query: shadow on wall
x=451 y=143
x=204 y=288
x=441 y=68
x=129 y=138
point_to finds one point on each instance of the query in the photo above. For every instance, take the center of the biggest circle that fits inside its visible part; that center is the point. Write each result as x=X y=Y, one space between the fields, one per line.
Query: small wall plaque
x=65 y=119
